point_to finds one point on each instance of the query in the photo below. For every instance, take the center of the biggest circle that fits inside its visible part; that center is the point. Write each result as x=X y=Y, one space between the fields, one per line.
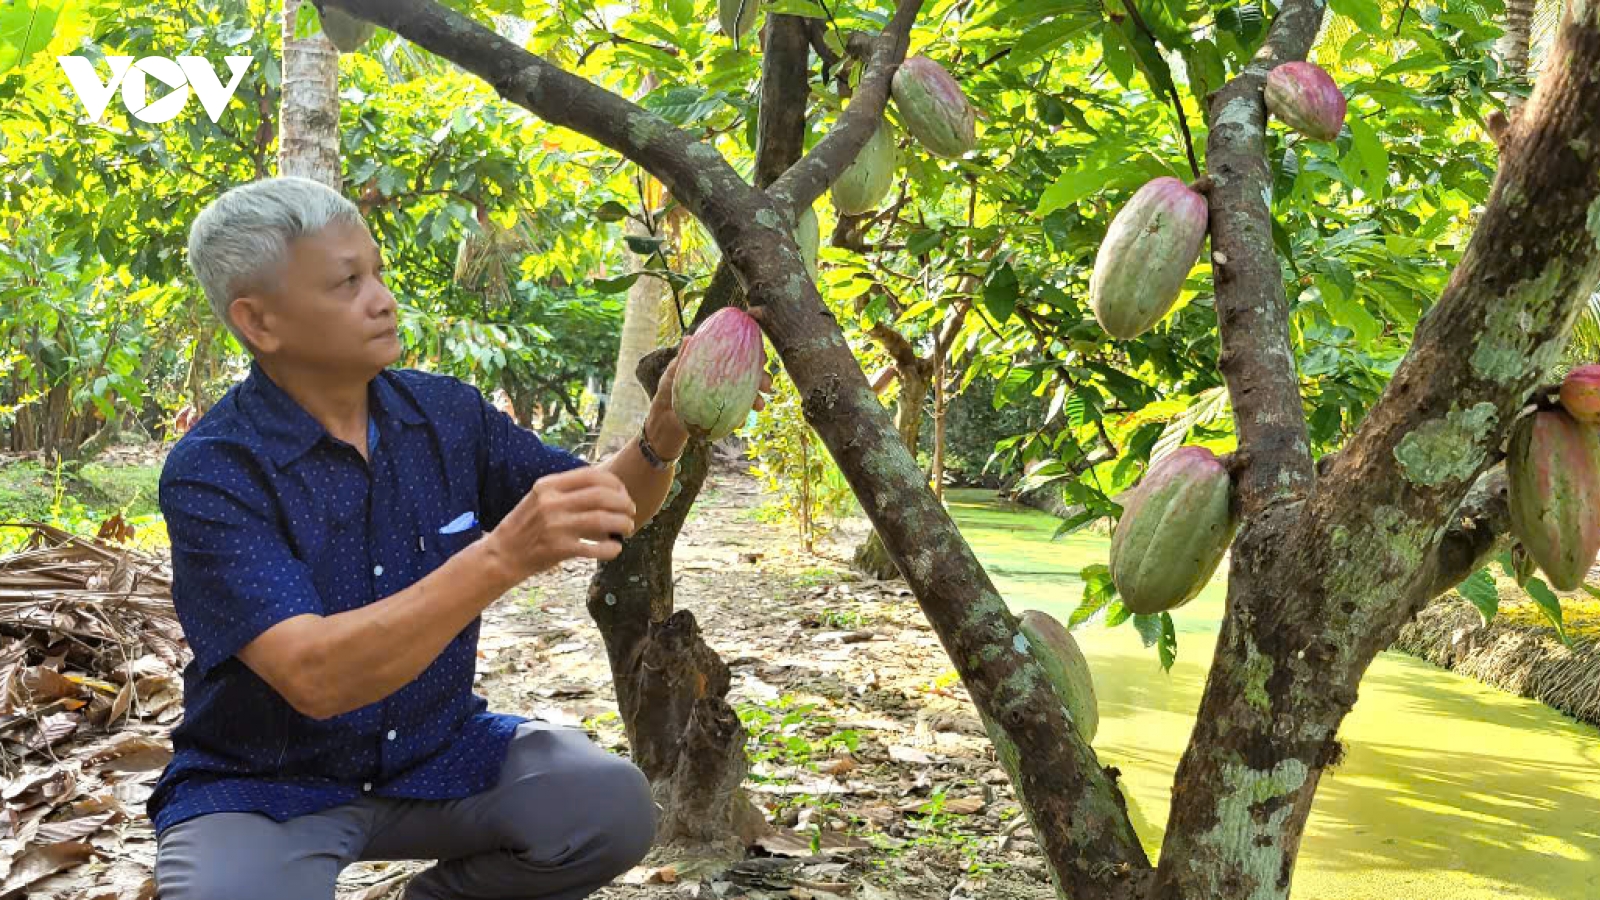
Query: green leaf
x=1119 y=59
x=1348 y=312
x=615 y=285
x=1075 y=523
x=803 y=8
x=1169 y=642
x=644 y=245
x=921 y=242
x=1149 y=628
x=1205 y=67
x=1097 y=592
x=1480 y=589
x=611 y=211
x=1116 y=614
x=1000 y=292
x=1365 y=13
x=1370 y=158
x=1592 y=591
x=1546 y=600
x=1078 y=184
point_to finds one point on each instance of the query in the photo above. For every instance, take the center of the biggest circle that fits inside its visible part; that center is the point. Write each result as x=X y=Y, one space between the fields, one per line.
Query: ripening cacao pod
x=1176 y=525
x=1053 y=647
x=347 y=32
x=719 y=374
x=728 y=10
x=933 y=108
x=1304 y=97
x=867 y=180
x=1580 y=394
x=1553 y=481
x=1147 y=253
x=808 y=234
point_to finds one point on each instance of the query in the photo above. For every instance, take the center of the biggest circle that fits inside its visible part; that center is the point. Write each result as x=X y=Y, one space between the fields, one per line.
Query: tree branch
x=785 y=92
x=1252 y=311
x=1477 y=531
x=812 y=175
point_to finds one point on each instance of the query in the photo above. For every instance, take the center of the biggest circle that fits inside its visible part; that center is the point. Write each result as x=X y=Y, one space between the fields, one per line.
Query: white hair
x=240 y=242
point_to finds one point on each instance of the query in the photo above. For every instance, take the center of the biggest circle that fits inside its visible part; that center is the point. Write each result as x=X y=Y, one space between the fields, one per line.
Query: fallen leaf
x=39 y=685
x=43 y=861
x=74 y=829
x=904 y=754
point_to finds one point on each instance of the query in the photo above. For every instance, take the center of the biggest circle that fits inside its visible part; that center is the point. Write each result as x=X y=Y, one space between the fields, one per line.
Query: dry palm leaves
x=90 y=660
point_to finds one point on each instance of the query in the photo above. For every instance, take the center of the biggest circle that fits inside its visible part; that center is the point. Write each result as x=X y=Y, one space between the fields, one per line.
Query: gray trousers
x=564 y=819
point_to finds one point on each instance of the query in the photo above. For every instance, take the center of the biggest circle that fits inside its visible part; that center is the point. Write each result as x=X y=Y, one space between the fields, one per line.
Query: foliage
x=795 y=468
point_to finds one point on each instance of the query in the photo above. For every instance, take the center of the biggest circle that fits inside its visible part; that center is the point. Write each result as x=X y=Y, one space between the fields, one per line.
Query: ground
x=865 y=749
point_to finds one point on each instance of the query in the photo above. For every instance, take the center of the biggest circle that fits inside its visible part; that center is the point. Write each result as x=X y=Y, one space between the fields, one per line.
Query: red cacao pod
x=1147 y=253
x=1176 y=525
x=1580 y=394
x=1553 y=478
x=933 y=108
x=719 y=374
x=1304 y=97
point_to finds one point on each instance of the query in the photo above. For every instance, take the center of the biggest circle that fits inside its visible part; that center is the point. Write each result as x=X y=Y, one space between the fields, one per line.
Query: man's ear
x=249 y=314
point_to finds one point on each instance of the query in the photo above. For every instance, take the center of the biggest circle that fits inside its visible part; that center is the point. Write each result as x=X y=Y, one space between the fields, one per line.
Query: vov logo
x=180 y=75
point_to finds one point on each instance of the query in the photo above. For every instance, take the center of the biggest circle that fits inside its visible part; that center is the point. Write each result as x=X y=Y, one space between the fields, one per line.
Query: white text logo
x=187 y=72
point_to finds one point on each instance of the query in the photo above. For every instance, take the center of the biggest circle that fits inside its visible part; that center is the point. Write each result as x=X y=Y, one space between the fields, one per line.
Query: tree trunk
x=308 y=145
x=1512 y=48
x=939 y=409
x=641 y=323
x=872 y=557
x=685 y=736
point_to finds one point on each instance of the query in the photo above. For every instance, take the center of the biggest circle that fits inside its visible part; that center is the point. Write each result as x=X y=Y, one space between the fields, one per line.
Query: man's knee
x=604 y=807
x=238 y=856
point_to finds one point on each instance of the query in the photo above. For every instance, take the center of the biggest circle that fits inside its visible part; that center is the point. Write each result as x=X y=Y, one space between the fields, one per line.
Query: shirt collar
x=288 y=431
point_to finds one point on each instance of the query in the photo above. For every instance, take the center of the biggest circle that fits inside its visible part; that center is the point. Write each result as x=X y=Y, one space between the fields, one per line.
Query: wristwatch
x=650 y=454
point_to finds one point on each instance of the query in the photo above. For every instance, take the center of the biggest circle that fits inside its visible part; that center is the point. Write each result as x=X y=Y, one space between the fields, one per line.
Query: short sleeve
x=234 y=574
x=513 y=459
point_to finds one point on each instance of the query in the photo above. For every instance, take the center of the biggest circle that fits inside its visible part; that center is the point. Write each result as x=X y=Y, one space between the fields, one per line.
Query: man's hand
x=571 y=515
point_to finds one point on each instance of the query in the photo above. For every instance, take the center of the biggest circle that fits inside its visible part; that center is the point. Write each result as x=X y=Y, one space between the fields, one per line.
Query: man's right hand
x=570 y=515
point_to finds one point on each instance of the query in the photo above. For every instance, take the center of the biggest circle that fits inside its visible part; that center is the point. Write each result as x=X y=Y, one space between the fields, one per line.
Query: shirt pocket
x=450 y=539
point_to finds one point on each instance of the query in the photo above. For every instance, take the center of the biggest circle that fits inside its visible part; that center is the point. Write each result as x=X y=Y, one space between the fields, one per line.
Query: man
x=337 y=528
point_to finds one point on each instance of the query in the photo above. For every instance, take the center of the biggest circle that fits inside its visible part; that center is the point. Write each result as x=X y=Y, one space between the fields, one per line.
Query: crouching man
x=337 y=527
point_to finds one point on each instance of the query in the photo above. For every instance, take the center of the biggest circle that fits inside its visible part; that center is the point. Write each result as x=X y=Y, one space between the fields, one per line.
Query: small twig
x=1403 y=9
x=1177 y=102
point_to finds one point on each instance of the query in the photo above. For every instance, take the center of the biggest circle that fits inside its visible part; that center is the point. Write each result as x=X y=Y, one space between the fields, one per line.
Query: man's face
x=330 y=310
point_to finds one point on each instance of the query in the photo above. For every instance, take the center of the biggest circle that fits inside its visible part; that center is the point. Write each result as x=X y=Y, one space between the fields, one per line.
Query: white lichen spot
x=1240 y=112
x=611 y=599
x=1251 y=842
x=1505 y=348
x=1020 y=643
x=1448 y=449
x=1221 y=258
x=767 y=218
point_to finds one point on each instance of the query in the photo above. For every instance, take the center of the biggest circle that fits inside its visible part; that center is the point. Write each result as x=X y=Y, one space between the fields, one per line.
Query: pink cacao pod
x=1147 y=253
x=719 y=374
x=1553 y=481
x=933 y=108
x=1176 y=525
x=1580 y=394
x=1304 y=97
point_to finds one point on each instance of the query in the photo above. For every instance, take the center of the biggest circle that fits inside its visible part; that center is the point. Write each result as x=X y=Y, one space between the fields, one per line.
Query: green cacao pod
x=933 y=108
x=1553 y=477
x=867 y=180
x=1580 y=394
x=1305 y=98
x=808 y=234
x=347 y=32
x=1176 y=525
x=718 y=374
x=1153 y=242
x=1055 y=650
x=728 y=10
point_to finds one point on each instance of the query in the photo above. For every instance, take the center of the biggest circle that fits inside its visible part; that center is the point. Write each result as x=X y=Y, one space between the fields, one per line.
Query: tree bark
x=1325 y=574
x=872 y=557
x=1512 y=48
x=641 y=323
x=309 y=143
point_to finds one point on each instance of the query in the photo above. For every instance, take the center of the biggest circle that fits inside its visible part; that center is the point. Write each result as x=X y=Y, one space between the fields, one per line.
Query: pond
x=1449 y=789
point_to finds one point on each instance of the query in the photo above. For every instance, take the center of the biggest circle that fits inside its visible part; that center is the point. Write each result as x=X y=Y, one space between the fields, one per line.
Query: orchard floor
x=1449 y=789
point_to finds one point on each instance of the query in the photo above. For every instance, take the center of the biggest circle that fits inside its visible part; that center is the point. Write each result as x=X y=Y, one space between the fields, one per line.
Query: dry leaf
x=39 y=686
x=900 y=753
x=74 y=829
x=43 y=861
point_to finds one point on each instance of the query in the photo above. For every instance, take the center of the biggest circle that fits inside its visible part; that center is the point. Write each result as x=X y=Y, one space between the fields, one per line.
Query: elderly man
x=337 y=528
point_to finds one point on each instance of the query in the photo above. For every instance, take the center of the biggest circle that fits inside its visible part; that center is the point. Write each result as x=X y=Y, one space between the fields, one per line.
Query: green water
x=1449 y=790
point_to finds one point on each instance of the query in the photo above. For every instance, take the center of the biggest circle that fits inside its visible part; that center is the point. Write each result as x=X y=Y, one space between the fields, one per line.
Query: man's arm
x=646 y=484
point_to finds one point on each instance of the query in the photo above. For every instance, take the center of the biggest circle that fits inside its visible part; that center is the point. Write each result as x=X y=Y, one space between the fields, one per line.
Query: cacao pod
x=1580 y=394
x=867 y=180
x=719 y=373
x=347 y=32
x=1055 y=650
x=1152 y=243
x=1304 y=97
x=933 y=108
x=1176 y=525
x=1553 y=480
x=728 y=10
x=808 y=234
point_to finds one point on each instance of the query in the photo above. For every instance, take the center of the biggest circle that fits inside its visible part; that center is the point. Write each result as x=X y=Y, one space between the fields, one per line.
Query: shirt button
x=367 y=786
x=390 y=735
x=377 y=570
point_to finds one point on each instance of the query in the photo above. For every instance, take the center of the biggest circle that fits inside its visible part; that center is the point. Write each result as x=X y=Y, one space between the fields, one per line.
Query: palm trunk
x=1512 y=48
x=641 y=323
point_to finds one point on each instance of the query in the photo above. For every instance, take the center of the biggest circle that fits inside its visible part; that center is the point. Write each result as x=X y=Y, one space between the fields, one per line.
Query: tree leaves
x=1479 y=588
x=1545 y=599
x=1098 y=592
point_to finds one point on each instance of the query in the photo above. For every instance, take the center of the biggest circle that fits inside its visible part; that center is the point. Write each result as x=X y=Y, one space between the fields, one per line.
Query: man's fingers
x=599 y=526
x=599 y=498
x=582 y=477
x=602 y=550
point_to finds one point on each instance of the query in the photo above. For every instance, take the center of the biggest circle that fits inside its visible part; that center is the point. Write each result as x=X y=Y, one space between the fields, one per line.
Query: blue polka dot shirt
x=271 y=517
